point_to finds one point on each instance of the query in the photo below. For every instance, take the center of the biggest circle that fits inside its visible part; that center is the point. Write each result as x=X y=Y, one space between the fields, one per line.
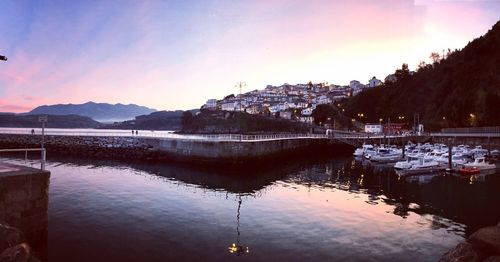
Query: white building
x=374 y=82
x=228 y=106
x=373 y=128
x=211 y=104
x=306 y=119
x=355 y=84
x=323 y=100
x=307 y=111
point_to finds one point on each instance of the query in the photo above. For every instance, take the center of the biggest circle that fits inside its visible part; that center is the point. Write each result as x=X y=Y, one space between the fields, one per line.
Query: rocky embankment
x=482 y=245
x=92 y=146
x=13 y=246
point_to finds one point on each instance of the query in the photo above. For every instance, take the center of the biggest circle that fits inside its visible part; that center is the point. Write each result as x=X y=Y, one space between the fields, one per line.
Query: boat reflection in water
x=320 y=209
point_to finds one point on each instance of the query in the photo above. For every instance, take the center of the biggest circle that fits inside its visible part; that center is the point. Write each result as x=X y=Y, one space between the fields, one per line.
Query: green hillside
x=459 y=91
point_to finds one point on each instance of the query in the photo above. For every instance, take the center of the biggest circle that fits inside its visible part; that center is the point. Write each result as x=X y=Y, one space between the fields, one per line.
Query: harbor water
x=329 y=209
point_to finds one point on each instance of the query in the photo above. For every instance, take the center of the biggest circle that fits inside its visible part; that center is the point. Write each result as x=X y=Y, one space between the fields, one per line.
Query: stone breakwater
x=482 y=245
x=168 y=148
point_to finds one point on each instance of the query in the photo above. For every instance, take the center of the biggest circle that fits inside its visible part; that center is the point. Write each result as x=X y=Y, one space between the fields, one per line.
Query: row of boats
x=428 y=158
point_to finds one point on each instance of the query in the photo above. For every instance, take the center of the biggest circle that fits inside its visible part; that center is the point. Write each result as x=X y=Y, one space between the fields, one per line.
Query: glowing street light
x=473 y=120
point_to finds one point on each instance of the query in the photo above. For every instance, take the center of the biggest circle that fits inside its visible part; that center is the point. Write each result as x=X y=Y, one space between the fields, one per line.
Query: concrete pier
x=156 y=148
x=24 y=203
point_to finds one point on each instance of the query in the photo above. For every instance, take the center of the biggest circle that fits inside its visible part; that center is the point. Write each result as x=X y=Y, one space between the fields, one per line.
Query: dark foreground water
x=334 y=209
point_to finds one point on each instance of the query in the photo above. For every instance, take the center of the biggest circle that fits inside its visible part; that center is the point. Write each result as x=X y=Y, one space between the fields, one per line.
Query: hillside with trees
x=223 y=122
x=160 y=120
x=461 y=89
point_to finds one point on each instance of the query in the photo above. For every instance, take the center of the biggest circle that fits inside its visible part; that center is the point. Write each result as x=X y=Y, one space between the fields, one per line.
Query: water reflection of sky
x=330 y=209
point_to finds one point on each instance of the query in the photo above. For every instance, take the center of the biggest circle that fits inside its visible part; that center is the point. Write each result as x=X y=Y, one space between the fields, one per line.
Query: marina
x=428 y=159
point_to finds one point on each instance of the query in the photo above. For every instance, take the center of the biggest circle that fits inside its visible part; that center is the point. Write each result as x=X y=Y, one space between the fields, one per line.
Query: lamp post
x=240 y=85
x=43 y=120
x=472 y=119
x=3 y=58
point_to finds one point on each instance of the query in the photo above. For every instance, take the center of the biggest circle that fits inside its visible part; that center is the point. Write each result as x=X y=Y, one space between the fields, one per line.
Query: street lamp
x=472 y=119
x=3 y=58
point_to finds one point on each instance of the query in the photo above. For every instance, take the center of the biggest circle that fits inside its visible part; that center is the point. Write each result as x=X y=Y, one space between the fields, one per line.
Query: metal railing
x=239 y=137
x=161 y=134
x=472 y=130
x=26 y=150
x=466 y=134
x=209 y=137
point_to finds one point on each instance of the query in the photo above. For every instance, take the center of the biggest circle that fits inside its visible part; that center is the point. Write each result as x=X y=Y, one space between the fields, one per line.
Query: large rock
x=486 y=240
x=463 y=252
x=10 y=236
x=18 y=253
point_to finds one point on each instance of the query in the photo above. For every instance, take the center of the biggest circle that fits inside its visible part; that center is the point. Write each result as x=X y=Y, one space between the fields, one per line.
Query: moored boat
x=467 y=171
x=424 y=166
x=481 y=164
x=364 y=150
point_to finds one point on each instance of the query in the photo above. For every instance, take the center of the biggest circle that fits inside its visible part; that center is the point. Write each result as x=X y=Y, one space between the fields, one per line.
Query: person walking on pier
x=32 y=131
x=132 y=132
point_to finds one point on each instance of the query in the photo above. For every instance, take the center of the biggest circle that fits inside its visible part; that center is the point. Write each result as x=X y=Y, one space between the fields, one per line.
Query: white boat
x=424 y=166
x=462 y=149
x=456 y=159
x=363 y=150
x=481 y=164
x=387 y=155
x=411 y=161
x=435 y=154
x=415 y=153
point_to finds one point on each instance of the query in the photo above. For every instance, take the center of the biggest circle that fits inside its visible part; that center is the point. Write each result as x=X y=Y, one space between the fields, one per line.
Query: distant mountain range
x=102 y=112
x=55 y=121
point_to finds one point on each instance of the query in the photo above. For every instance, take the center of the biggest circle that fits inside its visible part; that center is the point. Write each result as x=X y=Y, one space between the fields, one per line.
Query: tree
x=186 y=119
x=403 y=72
x=323 y=112
x=421 y=65
x=435 y=57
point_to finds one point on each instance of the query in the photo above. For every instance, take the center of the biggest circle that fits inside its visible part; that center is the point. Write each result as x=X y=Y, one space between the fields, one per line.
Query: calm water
x=333 y=209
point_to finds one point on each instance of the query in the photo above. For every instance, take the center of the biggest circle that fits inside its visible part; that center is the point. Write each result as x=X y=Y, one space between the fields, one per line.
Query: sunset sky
x=177 y=54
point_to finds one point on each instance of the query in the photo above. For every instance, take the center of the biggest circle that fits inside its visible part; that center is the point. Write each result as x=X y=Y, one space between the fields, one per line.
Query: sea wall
x=160 y=148
x=24 y=204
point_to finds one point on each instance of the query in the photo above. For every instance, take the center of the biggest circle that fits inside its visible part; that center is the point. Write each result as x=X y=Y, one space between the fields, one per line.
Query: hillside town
x=287 y=101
